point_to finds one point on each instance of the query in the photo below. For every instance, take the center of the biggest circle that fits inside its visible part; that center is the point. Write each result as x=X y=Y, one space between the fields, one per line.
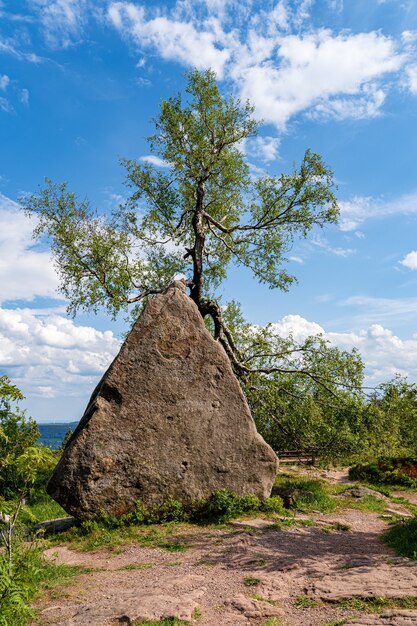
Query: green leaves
x=195 y=216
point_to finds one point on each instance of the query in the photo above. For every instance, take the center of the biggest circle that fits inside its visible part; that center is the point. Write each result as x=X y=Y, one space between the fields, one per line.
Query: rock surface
x=168 y=420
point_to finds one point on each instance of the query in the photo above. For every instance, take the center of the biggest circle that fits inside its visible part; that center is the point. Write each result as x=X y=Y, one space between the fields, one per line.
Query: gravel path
x=241 y=575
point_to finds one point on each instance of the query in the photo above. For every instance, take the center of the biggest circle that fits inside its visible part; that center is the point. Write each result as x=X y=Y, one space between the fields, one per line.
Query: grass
x=165 y=621
x=93 y=536
x=319 y=499
x=33 y=576
x=41 y=510
x=403 y=538
x=259 y=598
x=251 y=581
x=376 y=604
x=134 y=566
x=304 y=602
x=273 y=621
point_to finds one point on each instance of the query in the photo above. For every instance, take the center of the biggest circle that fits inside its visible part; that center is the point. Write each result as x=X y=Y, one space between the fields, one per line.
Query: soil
x=246 y=573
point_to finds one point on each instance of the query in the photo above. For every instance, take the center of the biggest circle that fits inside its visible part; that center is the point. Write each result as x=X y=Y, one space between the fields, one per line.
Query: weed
x=304 y=602
x=259 y=598
x=197 y=613
x=273 y=621
x=403 y=538
x=317 y=495
x=165 y=621
x=251 y=581
x=376 y=604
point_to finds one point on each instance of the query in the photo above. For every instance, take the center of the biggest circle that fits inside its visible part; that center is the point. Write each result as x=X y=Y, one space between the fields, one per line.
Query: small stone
x=362 y=492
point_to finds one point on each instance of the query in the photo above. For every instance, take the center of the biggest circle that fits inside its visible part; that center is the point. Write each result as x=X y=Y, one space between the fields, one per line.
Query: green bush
x=220 y=507
x=274 y=504
x=387 y=470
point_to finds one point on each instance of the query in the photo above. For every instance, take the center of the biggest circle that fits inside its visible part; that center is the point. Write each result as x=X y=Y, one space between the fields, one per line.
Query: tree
x=17 y=433
x=196 y=216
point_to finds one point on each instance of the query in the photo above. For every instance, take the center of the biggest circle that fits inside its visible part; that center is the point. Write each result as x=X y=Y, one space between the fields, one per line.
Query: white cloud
x=153 y=160
x=410 y=260
x=173 y=39
x=316 y=71
x=384 y=353
x=47 y=355
x=361 y=208
x=25 y=271
x=263 y=147
x=296 y=259
x=62 y=20
x=24 y=96
x=5 y=105
x=320 y=72
x=411 y=73
x=4 y=82
x=322 y=242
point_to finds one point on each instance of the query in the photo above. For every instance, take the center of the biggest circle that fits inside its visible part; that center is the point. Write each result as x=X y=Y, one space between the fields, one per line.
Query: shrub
x=274 y=504
x=388 y=470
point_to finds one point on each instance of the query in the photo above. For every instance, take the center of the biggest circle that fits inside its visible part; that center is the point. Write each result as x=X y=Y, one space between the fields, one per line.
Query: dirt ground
x=248 y=573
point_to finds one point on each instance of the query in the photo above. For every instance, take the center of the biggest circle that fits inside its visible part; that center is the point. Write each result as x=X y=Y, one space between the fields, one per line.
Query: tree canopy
x=195 y=216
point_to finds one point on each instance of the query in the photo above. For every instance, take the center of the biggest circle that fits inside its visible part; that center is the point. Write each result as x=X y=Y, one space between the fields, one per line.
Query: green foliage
x=17 y=433
x=390 y=418
x=376 y=604
x=387 y=470
x=403 y=538
x=303 y=395
x=251 y=581
x=30 y=573
x=166 y=621
x=316 y=498
x=104 y=260
x=305 y=602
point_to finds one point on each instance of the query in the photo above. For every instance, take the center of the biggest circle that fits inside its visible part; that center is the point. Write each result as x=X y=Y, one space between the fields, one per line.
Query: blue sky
x=80 y=81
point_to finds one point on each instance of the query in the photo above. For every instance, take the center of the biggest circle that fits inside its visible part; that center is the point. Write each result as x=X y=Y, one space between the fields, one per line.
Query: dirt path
x=242 y=575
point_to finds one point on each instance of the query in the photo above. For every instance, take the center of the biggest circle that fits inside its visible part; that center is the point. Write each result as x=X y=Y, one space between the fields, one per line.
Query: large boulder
x=168 y=420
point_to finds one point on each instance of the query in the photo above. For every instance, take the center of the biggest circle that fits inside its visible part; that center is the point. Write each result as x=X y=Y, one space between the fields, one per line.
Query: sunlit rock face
x=168 y=420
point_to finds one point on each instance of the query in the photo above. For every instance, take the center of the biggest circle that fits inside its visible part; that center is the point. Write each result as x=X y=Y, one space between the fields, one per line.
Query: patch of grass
x=93 y=536
x=133 y=566
x=339 y=622
x=319 y=498
x=368 y=504
x=288 y=522
x=197 y=613
x=251 y=581
x=273 y=621
x=376 y=604
x=32 y=575
x=305 y=602
x=259 y=598
x=403 y=538
x=166 y=621
x=42 y=509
